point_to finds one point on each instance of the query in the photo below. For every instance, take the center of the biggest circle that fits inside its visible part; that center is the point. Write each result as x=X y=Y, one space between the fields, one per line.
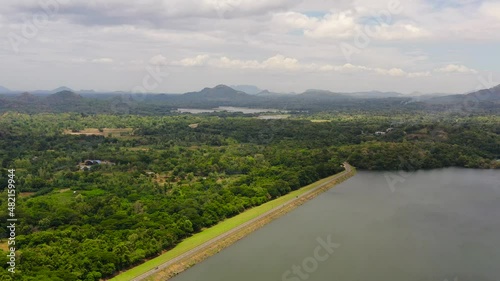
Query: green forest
x=159 y=179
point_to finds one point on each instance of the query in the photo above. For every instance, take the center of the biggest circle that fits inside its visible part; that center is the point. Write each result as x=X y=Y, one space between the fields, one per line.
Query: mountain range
x=248 y=89
x=63 y=98
x=4 y=90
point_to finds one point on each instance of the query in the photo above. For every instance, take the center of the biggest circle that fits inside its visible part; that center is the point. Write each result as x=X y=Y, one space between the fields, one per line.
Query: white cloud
x=352 y=68
x=392 y=72
x=455 y=68
x=401 y=31
x=194 y=61
x=332 y=25
x=395 y=72
x=491 y=9
x=339 y=25
x=283 y=63
x=158 y=60
x=347 y=24
x=277 y=62
x=102 y=60
x=292 y=20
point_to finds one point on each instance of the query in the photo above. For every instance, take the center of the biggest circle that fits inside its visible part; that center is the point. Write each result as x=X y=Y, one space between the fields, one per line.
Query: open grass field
x=210 y=233
x=116 y=133
x=4 y=245
x=25 y=194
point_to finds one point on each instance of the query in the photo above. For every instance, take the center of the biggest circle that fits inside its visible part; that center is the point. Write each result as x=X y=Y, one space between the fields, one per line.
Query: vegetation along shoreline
x=161 y=269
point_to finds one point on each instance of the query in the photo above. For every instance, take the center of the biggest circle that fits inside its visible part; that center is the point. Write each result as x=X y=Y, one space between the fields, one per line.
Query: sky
x=176 y=46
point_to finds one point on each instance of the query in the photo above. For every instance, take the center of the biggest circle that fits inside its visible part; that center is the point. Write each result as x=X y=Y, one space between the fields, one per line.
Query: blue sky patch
x=443 y=4
x=315 y=14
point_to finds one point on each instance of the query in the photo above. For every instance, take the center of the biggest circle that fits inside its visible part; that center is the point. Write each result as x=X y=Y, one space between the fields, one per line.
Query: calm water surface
x=245 y=110
x=437 y=225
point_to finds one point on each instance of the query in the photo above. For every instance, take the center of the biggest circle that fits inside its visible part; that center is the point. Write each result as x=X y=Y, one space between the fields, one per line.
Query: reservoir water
x=424 y=226
x=245 y=110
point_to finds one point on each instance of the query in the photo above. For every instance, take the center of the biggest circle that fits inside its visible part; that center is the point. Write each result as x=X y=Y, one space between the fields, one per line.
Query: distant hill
x=89 y=92
x=64 y=96
x=486 y=95
x=318 y=92
x=220 y=95
x=221 y=92
x=64 y=99
x=27 y=97
x=49 y=92
x=274 y=94
x=374 y=94
x=61 y=89
x=321 y=95
x=311 y=100
x=249 y=89
x=487 y=99
x=4 y=90
x=492 y=94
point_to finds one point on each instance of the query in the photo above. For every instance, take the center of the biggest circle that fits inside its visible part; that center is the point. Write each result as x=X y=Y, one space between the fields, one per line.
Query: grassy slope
x=213 y=232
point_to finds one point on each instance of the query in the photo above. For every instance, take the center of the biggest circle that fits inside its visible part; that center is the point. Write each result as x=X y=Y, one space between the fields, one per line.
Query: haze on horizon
x=281 y=45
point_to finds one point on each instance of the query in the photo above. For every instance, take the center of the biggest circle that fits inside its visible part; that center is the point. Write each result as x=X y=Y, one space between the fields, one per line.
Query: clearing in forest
x=106 y=132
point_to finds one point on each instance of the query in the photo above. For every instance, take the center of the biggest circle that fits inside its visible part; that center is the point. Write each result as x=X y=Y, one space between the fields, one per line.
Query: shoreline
x=183 y=261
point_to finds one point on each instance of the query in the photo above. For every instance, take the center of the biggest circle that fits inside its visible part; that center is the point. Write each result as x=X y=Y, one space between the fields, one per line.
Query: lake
x=430 y=226
x=245 y=110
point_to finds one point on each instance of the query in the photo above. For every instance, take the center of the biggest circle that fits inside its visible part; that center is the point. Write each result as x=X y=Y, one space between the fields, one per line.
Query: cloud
x=283 y=63
x=194 y=61
x=267 y=41
x=401 y=31
x=394 y=72
x=347 y=24
x=419 y=74
x=291 y=19
x=242 y=8
x=158 y=60
x=156 y=13
x=331 y=25
x=455 y=68
x=102 y=60
x=491 y=9
x=277 y=62
x=339 y=25
x=226 y=62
